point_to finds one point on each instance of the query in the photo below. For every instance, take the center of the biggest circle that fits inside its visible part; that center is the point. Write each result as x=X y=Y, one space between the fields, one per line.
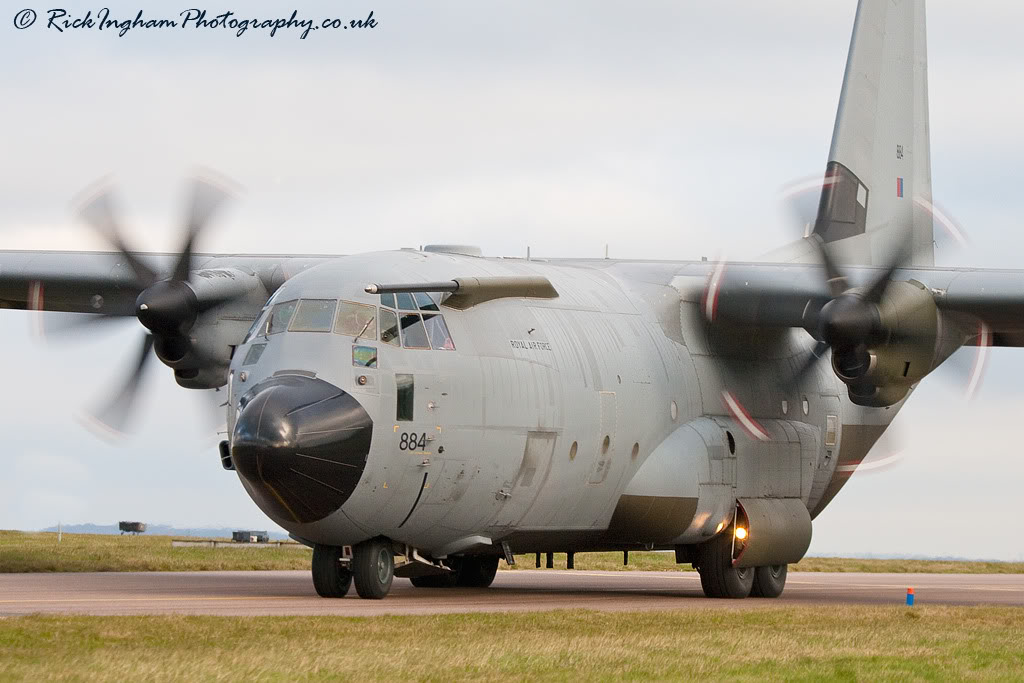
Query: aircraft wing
x=987 y=304
x=81 y=282
x=105 y=282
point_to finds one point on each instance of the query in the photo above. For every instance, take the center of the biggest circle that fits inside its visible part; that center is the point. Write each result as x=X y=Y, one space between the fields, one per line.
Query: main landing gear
x=720 y=579
x=372 y=569
x=466 y=572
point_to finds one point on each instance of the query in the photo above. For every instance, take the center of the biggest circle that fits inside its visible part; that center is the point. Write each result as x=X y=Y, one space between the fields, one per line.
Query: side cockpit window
x=413 y=334
x=406 y=302
x=424 y=302
x=424 y=329
x=280 y=315
x=437 y=332
x=389 y=328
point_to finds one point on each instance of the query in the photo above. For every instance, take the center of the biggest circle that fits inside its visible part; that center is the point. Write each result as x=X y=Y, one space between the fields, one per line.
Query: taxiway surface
x=291 y=592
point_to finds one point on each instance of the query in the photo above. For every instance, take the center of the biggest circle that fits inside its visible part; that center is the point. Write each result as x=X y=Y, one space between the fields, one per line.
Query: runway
x=291 y=593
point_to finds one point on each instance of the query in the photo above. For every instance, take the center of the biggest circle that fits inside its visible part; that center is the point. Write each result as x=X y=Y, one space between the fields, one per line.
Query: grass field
x=40 y=552
x=800 y=643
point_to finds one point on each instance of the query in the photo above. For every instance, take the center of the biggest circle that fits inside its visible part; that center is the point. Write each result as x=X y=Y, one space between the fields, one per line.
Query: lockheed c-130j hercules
x=423 y=413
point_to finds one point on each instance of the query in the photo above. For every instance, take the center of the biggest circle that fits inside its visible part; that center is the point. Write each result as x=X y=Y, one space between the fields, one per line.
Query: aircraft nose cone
x=301 y=445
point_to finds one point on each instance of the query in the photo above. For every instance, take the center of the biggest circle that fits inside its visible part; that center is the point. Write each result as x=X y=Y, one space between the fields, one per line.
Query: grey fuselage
x=593 y=420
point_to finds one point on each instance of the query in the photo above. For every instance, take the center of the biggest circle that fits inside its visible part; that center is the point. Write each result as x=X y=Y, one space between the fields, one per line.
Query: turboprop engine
x=885 y=336
x=880 y=350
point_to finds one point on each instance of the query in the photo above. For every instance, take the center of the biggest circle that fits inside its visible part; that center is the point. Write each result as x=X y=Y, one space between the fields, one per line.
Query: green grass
x=792 y=643
x=40 y=552
x=654 y=561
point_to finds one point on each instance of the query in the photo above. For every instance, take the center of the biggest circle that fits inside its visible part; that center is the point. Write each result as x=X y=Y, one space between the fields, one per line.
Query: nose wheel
x=373 y=568
x=330 y=577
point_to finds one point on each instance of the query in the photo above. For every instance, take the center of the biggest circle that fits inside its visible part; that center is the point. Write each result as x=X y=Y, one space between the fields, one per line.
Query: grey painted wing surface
x=765 y=294
x=103 y=282
x=782 y=295
x=67 y=281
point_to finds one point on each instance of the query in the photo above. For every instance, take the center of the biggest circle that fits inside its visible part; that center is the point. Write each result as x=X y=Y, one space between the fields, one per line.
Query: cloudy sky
x=663 y=129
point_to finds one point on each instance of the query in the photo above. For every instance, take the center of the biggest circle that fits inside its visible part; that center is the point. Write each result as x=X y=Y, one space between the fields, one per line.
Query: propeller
x=166 y=305
x=850 y=322
x=853 y=317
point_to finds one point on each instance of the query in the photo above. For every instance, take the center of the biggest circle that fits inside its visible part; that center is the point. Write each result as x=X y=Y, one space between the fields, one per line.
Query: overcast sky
x=663 y=129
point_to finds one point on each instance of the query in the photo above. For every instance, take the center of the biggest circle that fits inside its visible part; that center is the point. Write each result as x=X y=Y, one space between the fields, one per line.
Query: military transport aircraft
x=423 y=413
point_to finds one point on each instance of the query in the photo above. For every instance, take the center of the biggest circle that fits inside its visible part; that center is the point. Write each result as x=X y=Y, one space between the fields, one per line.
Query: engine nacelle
x=200 y=358
x=883 y=374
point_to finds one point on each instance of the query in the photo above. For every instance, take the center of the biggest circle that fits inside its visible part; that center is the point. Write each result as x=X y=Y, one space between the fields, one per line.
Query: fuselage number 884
x=411 y=441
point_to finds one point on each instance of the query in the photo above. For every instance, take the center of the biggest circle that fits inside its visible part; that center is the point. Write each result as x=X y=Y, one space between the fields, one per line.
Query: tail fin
x=878 y=181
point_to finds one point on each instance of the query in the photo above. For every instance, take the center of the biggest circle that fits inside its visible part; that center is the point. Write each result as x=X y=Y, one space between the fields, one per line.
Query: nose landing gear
x=371 y=568
x=331 y=577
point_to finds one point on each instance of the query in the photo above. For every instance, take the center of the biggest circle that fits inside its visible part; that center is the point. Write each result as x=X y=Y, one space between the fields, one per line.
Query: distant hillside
x=161 y=530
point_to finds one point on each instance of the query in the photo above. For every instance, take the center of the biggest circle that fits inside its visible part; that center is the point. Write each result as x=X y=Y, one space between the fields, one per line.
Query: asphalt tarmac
x=291 y=593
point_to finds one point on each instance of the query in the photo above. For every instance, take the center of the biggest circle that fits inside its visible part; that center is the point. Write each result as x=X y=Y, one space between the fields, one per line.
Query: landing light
x=741 y=533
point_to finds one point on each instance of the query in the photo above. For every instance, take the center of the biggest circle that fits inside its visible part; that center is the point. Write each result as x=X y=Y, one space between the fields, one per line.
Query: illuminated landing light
x=721 y=525
x=741 y=533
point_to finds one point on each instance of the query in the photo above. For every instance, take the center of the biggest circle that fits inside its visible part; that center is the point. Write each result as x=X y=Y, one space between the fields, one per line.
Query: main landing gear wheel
x=373 y=568
x=467 y=572
x=718 y=577
x=434 y=581
x=330 y=578
x=769 y=581
x=477 y=572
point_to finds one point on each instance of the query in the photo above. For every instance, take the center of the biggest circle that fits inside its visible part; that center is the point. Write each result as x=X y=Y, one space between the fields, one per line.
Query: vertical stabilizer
x=878 y=182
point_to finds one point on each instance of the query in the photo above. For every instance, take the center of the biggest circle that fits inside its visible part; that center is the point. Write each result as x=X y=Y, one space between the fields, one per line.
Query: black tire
x=434 y=581
x=718 y=577
x=769 y=581
x=373 y=568
x=330 y=578
x=477 y=572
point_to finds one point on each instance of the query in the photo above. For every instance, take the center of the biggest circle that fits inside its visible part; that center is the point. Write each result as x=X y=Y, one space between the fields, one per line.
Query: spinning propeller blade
x=166 y=305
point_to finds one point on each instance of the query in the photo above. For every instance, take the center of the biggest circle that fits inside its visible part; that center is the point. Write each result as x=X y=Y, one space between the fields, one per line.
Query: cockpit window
x=425 y=302
x=257 y=325
x=405 y=302
x=437 y=332
x=387 y=300
x=313 y=315
x=358 y=321
x=280 y=316
x=413 y=334
x=389 y=327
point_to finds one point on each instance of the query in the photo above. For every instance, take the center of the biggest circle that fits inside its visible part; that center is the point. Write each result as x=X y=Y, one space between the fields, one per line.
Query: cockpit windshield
x=314 y=315
x=412 y=321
